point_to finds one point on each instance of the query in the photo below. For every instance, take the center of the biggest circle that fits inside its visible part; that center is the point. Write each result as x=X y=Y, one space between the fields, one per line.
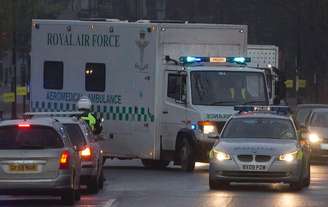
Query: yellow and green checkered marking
x=108 y=112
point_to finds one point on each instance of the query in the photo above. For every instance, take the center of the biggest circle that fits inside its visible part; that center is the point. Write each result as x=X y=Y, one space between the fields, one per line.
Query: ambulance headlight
x=209 y=128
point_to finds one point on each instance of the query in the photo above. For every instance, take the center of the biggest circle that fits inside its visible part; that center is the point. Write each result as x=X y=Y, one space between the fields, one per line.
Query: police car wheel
x=298 y=185
x=186 y=156
x=307 y=179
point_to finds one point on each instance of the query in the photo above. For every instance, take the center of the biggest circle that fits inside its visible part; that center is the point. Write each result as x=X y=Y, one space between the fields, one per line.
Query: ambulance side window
x=53 y=72
x=176 y=87
x=95 y=76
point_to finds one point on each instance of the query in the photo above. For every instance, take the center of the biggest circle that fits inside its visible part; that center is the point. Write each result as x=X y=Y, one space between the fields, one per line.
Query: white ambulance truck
x=156 y=106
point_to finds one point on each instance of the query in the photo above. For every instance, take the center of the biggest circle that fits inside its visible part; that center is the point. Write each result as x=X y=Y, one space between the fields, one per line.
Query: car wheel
x=104 y=160
x=68 y=198
x=307 y=179
x=298 y=185
x=101 y=180
x=155 y=164
x=186 y=156
x=93 y=185
x=77 y=195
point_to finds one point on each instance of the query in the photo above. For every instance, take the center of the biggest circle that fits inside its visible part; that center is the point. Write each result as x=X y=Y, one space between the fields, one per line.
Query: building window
x=53 y=72
x=176 y=87
x=95 y=77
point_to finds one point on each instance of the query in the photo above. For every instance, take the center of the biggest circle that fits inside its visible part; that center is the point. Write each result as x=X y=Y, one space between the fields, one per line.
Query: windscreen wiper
x=222 y=102
x=252 y=102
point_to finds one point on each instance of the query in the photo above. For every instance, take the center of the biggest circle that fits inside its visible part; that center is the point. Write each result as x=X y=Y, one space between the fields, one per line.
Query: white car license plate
x=254 y=167
x=324 y=146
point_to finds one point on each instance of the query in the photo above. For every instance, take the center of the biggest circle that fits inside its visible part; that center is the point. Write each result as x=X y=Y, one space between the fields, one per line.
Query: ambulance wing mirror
x=98 y=126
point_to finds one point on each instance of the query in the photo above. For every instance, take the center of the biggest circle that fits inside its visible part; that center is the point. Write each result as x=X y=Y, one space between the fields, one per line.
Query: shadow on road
x=17 y=201
x=168 y=169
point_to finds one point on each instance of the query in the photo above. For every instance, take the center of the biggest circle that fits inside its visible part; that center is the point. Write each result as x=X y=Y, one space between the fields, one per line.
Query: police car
x=260 y=147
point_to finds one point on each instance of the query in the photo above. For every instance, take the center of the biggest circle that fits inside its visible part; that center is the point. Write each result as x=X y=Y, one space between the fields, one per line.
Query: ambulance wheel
x=155 y=164
x=186 y=156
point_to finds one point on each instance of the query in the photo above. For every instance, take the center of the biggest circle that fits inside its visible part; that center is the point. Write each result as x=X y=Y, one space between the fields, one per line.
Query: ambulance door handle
x=165 y=112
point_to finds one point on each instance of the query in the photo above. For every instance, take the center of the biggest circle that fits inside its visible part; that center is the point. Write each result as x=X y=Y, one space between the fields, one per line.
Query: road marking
x=109 y=203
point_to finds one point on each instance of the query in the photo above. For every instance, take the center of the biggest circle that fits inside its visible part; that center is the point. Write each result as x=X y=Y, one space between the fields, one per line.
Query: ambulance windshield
x=228 y=88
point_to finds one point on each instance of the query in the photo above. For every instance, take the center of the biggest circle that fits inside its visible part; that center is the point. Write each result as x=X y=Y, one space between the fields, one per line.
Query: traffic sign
x=289 y=83
x=8 y=97
x=302 y=83
x=21 y=90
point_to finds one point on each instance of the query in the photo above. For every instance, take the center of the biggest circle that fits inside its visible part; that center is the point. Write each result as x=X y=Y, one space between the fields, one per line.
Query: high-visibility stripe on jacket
x=90 y=119
x=242 y=90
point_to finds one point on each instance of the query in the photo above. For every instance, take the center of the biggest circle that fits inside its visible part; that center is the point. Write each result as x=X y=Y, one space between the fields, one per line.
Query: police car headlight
x=220 y=156
x=314 y=138
x=289 y=157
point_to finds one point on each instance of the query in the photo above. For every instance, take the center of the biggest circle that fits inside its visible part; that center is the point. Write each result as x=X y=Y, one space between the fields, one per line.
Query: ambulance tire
x=155 y=164
x=186 y=155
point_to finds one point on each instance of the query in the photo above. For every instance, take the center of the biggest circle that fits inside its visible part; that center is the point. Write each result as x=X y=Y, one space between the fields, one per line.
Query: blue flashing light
x=279 y=110
x=239 y=59
x=192 y=59
x=193 y=126
x=195 y=59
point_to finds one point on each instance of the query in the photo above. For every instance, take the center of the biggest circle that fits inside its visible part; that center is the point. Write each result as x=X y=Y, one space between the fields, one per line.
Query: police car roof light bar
x=279 y=110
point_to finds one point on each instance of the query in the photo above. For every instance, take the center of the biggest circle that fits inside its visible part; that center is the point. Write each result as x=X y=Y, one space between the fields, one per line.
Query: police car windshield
x=271 y=128
x=227 y=88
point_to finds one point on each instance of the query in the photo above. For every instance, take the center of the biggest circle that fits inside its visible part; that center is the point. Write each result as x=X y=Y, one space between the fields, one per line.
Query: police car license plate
x=254 y=167
x=324 y=146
